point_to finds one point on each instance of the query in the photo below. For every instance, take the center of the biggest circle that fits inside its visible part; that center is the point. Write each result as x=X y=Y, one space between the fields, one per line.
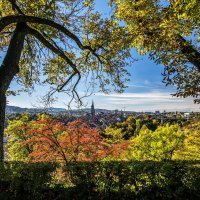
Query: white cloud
x=149 y=101
x=137 y=95
x=138 y=86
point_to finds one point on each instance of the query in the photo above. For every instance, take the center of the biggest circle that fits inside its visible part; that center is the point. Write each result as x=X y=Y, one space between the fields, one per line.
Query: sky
x=145 y=91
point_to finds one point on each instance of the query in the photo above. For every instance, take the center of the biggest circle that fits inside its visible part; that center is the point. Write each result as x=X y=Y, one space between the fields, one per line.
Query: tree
x=47 y=139
x=18 y=132
x=121 y=130
x=169 y=32
x=62 y=41
x=160 y=144
x=129 y=128
x=113 y=135
x=191 y=145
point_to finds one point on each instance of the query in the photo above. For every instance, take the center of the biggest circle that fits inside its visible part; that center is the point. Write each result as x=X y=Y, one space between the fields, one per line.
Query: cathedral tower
x=92 y=110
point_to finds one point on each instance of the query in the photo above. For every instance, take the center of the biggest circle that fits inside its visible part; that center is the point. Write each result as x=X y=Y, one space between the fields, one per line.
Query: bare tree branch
x=60 y=53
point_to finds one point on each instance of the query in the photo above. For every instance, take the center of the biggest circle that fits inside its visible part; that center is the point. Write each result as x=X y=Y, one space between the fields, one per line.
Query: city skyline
x=144 y=102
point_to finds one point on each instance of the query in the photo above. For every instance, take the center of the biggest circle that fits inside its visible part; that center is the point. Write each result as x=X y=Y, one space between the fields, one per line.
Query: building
x=92 y=110
x=157 y=112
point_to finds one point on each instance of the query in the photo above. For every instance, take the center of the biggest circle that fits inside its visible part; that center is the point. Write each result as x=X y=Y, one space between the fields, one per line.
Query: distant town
x=102 y=118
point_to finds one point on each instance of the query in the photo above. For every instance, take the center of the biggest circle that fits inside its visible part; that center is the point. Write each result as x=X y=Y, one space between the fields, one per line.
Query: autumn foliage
x=52 y=140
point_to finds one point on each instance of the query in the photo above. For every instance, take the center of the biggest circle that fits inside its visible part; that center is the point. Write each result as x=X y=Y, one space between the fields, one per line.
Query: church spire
x=92 y=109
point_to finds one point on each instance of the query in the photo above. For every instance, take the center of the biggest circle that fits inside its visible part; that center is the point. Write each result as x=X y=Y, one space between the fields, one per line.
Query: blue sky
x=145 y=91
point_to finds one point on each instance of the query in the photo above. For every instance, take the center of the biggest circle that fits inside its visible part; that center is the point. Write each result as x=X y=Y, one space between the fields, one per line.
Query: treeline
x=44 y=138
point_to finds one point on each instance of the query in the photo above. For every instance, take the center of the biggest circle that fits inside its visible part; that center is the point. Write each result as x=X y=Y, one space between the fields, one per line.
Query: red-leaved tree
x=52 y=140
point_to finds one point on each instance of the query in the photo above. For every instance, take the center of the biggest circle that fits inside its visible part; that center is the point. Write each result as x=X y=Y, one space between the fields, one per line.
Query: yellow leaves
x=149 y=18
x=115 y=134
x=87 y=3
x=154 y=26
x=191 y=146
x=157 y=145
x=167 y=142
x=6 y=8
x=1 y=6
x=141 y=51
x=42 y=116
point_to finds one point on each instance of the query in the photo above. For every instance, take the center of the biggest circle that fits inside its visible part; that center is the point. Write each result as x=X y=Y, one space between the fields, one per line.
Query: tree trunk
x=8 y=69
x=2 y=122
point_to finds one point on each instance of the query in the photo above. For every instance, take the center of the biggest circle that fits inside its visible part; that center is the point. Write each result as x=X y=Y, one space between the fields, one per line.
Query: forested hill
x=15 y=109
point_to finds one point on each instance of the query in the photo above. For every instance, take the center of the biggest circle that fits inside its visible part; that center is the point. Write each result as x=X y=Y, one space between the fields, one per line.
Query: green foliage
x=191 y=145
x=122 y=130
x=114 y=135
x=132 y=139
x=135 y=180
x=157 y=145
x=17 y=132
x=152 y=142
x=169 y=32
x=25 y=181
x=101 y=180
x=129 y=128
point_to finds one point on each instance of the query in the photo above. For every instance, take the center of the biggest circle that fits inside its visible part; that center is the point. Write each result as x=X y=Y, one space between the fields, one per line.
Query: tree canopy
x=158 y=145
x=48 y=139
x=64 y=40
x=169 y=32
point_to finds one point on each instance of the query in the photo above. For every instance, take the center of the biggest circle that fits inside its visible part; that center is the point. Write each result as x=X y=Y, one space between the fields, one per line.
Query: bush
x=25 y=181
x=136 y=180
x=101 y=180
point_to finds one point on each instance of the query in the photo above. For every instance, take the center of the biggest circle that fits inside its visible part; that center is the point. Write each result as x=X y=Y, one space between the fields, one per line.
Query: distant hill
x=16 y=109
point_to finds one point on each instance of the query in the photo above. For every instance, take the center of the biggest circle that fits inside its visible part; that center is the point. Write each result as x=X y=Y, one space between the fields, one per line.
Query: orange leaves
x=119 y=150
x=55 y=141
x=83 y=143
x=47 y=139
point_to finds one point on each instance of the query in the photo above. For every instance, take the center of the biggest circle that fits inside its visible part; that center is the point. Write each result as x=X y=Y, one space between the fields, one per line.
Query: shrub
x=136 y=180
x=101 y=180
x=24 y=181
